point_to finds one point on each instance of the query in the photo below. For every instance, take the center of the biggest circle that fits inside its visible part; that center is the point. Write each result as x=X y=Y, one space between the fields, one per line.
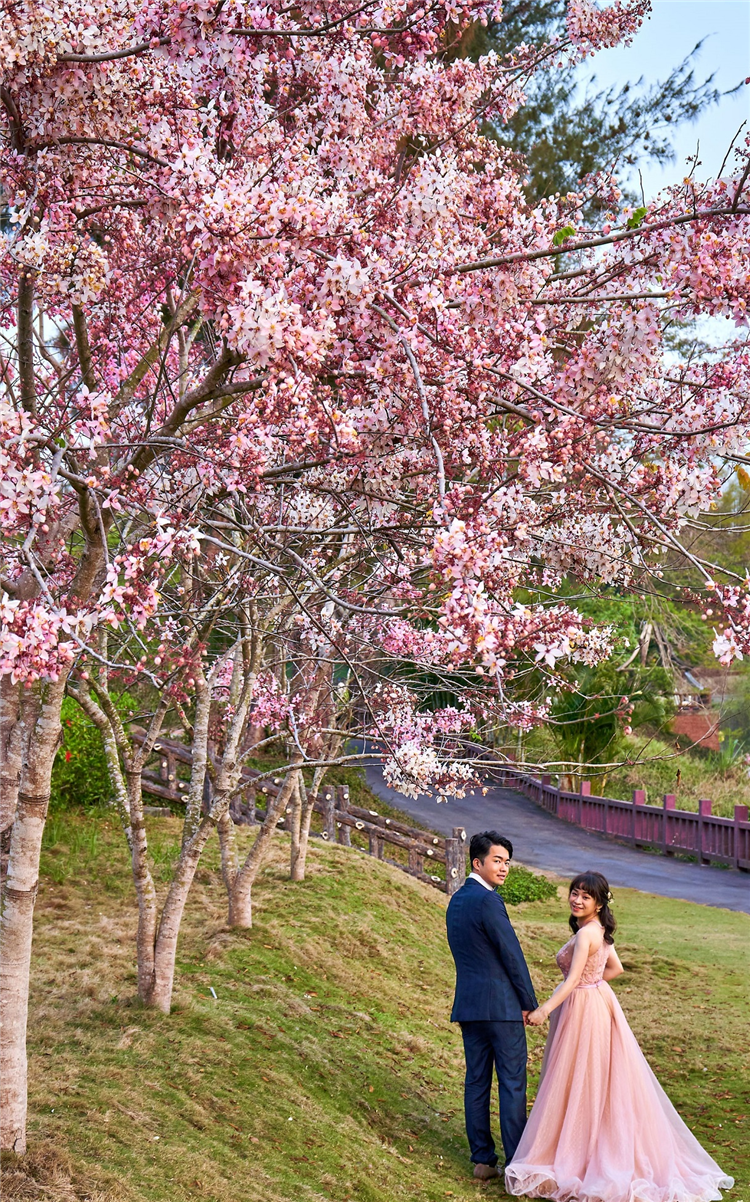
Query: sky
x=664 y=39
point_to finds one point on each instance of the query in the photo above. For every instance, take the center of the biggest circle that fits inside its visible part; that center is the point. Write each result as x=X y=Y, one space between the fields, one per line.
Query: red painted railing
x=662 y=828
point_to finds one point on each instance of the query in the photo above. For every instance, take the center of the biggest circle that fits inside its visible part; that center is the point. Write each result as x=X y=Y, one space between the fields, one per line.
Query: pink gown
x=602 y=1128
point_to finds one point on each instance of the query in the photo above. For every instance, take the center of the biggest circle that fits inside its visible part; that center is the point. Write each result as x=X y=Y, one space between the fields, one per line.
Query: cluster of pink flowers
x=35 y=642
x=305 y=344
x=594 y=27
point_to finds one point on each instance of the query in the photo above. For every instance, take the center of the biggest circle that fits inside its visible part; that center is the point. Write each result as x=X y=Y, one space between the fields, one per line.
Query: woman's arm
x=613 y=968
x=581 y=952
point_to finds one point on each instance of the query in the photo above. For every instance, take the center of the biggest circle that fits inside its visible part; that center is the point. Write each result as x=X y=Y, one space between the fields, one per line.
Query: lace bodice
x=592 y=973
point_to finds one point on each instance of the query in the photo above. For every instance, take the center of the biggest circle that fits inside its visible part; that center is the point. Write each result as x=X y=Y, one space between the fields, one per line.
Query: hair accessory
x=609 y=896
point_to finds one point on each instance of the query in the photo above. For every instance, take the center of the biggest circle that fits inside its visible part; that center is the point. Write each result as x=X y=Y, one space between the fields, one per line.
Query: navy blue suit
x=493 y=988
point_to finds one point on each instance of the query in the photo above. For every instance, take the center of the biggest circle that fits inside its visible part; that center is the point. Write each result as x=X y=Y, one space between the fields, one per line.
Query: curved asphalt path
x=542 y=841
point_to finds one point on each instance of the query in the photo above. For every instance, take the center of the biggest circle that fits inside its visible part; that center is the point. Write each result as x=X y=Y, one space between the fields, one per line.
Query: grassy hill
x=325 y=1068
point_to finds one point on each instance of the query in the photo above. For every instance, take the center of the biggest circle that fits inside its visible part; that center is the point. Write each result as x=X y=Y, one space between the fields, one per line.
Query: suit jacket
x=492 y=979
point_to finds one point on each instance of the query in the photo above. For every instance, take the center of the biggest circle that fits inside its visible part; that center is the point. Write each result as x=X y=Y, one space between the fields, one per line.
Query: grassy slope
x=326 y=1068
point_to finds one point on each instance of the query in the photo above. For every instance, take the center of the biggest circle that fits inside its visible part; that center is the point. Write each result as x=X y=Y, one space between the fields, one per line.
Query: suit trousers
x=502 y=1044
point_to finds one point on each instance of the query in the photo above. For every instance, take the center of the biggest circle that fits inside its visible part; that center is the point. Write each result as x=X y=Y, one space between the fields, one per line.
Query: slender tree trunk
x=229 y=859
x=17 y=920
x=240 y=898
x=11 y=760
x=165 y=946
x=194 y=799
x=145 y=890
x=304 y=812
x=295 y=829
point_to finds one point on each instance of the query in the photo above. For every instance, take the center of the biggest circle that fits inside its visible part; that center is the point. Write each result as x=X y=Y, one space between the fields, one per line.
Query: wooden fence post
x=584 y=791
x=455 y=860
x=416 y=861
x=668 y=804
x=342 y=801
x=740 y=815
x=329 y=819
x=167 y=769
x=546 y=785
x=376 y=845
x=704 y=811
x=639 y=799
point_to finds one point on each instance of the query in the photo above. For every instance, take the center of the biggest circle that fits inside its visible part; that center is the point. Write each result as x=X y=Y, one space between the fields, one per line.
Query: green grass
x=326 y=1068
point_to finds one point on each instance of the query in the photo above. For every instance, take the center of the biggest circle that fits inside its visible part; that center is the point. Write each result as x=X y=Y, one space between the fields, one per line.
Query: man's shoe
x=485 y=1172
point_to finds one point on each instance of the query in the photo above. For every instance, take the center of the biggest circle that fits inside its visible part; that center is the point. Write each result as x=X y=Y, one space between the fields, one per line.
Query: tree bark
x=301 y=828
x=164 y=949
x=228 y=849
x=240 y=897
x=295 y=829
x=11 y=760
x=17 y=920
x=194 y=799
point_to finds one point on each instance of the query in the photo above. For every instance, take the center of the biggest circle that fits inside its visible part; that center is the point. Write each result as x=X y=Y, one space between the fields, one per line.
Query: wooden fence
x=661 y=828
x=341 y=819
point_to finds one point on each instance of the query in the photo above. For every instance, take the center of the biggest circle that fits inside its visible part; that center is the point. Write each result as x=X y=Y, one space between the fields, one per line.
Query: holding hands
x=535 y=1018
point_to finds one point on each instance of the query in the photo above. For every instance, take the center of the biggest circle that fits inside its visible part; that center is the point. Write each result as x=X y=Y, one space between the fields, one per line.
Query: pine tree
x=567 y=129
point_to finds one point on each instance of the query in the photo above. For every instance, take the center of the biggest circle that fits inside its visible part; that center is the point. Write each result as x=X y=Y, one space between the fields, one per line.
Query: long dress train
x=602 y=1128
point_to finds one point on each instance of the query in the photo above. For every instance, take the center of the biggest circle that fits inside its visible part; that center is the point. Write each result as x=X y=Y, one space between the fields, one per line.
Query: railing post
x=545 y=784
x=376 y=845
x=252 y=817
x=342 y=800
x=584 y=791
x=172 y=773
x=668 y=804
x=455 y=860
x=329 y=820
x=740 y=815
x=704 y=811
x=639 y=799
x=416 y=862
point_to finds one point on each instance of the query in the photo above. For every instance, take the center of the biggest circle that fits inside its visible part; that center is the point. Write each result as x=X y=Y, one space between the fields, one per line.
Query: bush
x=79 y=775
x=523 y=886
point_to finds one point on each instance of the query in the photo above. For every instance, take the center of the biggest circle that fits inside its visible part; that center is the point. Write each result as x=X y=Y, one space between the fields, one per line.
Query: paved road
x=543 y=841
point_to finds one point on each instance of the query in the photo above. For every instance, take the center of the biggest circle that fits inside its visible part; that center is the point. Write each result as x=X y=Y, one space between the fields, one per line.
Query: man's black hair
x=481 y=844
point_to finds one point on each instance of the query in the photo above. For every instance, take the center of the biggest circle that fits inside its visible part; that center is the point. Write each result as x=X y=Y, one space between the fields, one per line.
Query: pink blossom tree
x=255 y=253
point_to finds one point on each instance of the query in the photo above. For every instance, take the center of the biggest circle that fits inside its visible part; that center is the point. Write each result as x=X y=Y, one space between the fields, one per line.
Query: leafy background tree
x=567 y=128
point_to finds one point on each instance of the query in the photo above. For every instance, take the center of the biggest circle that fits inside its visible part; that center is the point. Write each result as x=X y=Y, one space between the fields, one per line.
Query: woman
x=602 y=1127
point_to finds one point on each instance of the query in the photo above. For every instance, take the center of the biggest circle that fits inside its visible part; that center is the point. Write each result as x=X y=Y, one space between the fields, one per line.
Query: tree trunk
x=11 y=761
x=17 y=921
x=229 y=859
x=303 y=813
x=164 y=950
x=145 y=892
x=240 y=897
x=295 y=828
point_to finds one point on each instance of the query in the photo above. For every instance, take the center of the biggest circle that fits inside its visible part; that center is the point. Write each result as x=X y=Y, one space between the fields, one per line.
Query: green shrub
x=523 y=886
x=79 y=775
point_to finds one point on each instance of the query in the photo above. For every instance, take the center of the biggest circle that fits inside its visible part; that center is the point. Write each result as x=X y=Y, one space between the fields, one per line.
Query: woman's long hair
x=596 y=886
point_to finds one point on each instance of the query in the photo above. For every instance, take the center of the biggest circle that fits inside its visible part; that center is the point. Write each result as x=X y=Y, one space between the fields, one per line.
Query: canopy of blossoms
x=274 y=307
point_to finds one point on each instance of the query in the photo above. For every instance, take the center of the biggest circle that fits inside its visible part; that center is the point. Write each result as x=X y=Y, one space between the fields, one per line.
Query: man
x=494 y=994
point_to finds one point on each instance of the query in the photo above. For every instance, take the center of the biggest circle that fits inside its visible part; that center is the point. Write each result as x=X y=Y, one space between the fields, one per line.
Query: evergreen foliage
x=565 y=130
x=524 y=886
x=80 y=776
